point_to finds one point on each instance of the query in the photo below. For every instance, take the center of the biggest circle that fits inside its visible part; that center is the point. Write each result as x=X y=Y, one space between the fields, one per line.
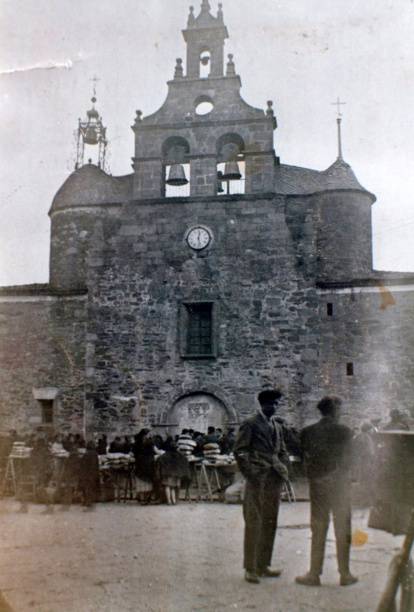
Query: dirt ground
x=172 y=559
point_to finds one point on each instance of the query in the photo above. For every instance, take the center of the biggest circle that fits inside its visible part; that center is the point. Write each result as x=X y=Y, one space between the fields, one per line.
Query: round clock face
x=198 y=238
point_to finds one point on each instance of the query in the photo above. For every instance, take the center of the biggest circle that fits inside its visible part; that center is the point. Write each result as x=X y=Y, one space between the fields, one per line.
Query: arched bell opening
x=175 y=151
x=230 y=165
x=205 y=63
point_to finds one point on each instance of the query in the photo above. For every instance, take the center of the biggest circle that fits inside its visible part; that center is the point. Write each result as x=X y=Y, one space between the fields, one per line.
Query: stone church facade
x=180 y=291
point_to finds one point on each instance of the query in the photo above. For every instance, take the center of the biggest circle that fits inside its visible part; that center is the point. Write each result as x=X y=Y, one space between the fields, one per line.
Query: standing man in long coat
x=262 y=458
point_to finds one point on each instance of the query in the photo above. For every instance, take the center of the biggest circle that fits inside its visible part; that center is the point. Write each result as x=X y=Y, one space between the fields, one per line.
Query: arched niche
x=198 y=411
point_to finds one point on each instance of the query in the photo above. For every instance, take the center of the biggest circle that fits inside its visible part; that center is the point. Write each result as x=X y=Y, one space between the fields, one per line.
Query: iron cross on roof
x=94 y=80
x=338 y=103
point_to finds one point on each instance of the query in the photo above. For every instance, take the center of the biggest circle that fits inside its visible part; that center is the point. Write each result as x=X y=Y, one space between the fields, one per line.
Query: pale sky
x=302 y=54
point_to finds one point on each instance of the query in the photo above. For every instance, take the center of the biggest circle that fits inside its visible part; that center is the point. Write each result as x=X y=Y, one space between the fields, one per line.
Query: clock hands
x=198 y=238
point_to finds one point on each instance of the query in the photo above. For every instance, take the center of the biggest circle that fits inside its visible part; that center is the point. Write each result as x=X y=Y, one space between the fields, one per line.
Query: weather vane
x=94 y=81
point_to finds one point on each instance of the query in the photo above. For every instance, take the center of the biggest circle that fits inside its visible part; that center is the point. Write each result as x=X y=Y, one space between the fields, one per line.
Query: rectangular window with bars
x=200 y=328
x=197 y=330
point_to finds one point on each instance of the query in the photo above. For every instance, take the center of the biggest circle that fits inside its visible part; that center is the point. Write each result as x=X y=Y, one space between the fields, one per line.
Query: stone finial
x=269 y=110
x=191 y=17
x=338 y=105
x=138 y=117
x=231 y=68
x=220 y=12
x=205 y=6
x=179 y=73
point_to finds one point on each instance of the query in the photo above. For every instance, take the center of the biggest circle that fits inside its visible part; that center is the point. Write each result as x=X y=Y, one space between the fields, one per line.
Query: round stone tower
x=343 y=225
x=87 y=197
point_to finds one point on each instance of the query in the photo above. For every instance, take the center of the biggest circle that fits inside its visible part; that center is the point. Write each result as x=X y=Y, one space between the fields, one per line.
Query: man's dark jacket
x=257 y=449
x=260 y=452
x=327 y=447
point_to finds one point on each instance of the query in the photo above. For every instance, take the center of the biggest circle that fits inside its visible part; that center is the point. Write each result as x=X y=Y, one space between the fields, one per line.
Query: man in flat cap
x=327 y=449
x=262 y=458
x=398 y=421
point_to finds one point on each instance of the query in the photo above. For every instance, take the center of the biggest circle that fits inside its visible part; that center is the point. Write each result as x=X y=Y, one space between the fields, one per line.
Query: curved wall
x=343 y=235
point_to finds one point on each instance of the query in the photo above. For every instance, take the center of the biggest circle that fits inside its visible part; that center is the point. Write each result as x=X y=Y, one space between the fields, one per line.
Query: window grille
x=200 y=329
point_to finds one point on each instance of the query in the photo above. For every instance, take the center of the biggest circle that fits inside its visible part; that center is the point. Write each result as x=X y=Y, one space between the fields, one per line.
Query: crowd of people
x=332 y=454
x=161 y=465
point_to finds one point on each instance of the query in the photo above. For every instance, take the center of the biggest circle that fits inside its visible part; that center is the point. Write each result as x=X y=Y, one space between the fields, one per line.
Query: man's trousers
x=330 y=494
x=260 y=510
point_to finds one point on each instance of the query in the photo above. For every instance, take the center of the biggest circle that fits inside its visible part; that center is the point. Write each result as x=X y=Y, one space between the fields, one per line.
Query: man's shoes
x=251 y=577
x=347 y=579
x=308 y=579
x=269 y=573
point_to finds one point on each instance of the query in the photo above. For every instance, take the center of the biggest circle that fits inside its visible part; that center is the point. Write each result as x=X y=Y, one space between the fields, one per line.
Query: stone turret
x=343 y=225
x=75 y=212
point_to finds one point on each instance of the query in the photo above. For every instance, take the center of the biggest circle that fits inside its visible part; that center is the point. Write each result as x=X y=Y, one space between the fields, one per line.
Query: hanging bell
x=231 y=171
x=177 y=176
x=91 y=136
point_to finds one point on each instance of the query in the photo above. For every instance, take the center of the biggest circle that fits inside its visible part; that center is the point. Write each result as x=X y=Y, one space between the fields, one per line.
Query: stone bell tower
x=204 y=138
x=205 y=38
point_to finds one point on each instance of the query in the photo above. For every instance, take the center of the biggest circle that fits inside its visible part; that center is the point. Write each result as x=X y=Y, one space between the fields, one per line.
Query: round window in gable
x=203 y=106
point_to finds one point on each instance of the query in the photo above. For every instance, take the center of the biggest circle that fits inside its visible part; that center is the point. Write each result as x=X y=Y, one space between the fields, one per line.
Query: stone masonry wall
x=344 y=235
x=266 y=310
x=271 y=322
x=377 y=341
x=121 y=347
x=72 y=232
x=41 y=346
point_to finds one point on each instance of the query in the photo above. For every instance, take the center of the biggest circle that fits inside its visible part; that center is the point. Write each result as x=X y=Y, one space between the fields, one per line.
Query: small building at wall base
x=210 y=272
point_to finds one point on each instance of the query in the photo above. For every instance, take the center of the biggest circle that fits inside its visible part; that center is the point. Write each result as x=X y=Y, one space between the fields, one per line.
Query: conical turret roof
x=340 y=176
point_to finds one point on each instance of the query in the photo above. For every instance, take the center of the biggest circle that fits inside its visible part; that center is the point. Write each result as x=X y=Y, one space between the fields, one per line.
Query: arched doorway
x=197 y=411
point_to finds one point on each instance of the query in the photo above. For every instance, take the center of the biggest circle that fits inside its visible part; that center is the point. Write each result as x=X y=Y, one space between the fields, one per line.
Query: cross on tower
x=338 y=103
x=94 y=80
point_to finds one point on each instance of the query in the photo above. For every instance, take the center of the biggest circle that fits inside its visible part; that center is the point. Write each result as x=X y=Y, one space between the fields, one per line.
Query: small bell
x=177 y=176
x=231 y=171
x=90 y=137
